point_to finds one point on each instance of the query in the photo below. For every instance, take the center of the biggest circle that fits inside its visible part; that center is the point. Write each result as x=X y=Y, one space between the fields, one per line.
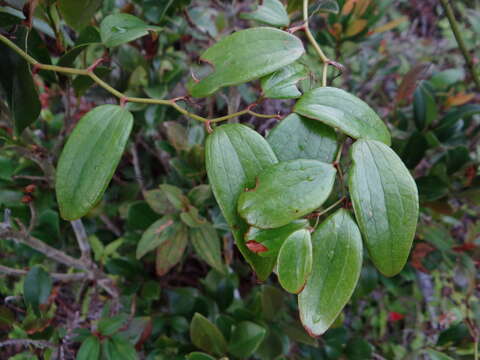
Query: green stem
x=461 y=43
x=121 y=96
x=311 y=39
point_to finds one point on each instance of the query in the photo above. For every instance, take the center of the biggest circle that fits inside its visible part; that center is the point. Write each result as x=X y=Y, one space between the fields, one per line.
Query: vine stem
x=447 y=7
x=121 y=96
x=318 y=49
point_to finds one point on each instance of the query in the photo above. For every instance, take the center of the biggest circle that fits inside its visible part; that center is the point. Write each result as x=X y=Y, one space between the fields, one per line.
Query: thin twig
x=28 y=342
x=56 y=276
x=81 y=236
x=136 y=167
x=121 y=96
x=447 y=6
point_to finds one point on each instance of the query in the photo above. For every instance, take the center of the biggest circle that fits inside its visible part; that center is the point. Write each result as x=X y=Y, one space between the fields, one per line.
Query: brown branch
x=28 y=342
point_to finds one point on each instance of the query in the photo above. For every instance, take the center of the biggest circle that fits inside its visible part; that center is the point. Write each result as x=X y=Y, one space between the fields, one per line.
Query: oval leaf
x=157 y=233
x=89 y=159
x=246 y=55
x=246 y=339
x=267 y=242
x=235 y=155
x=339 y=109
x=282 y=84
x=36 y=288
x=287 y=191
x=385 y=200
x=296 y=137
x=76 y=13
x=206 y=336
x=271 y=12
x=295 y=261
x=207 y=245
x=170 y=252
x=90 y=349
x=119 y=29
x=337 y=261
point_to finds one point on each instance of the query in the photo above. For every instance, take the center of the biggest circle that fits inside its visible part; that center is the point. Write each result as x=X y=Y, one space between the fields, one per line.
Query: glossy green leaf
x=206 y=336
x=245 y=339
x=282 y=84
x=36 y=288
x=78 y=14
x=206 y=243
x=339 y=109
x=287 y=191
x=246 y=55
x=337 y=261
x=89 y=159
x=447 y=78
x=271 y=12
x=295 y=261
x=90 y=349
x=424 y=106
x=235 y=156
x=170 y=252
x=20 y=90
x=296 y=137
x=119 y=29
x=385 y=200
x=159 y=232
x=271 y=240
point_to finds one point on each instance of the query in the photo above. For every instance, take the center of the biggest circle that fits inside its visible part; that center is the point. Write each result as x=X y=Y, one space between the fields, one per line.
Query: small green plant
x=264 y=187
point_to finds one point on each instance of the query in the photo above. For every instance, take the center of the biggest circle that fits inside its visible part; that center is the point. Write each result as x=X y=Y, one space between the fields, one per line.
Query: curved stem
x=311 y=39
x=121 y=96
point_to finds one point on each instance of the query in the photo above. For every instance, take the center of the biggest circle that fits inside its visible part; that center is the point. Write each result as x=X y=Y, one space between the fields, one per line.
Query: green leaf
x=119 y=29
x=78 y=14
x=287 y=191
x=159 y=232
x=20 y=90
x=246 y=55
x=175 y=196
x=358 y=349
x=90 y=349
x=206 y=336
x=192 y=217
x=271 y=12
x=235 y=155
x=447 y=78
x=89 y=159
x=385 y=200
x=207 y=245
x=424 y=106
x=245 y=339
x=452 y=122
x=271 y=240
x=339 y=109
x=436 y=355
x=88 y=36
x=282 y=84
x=199 y=195
x=9 y=17
x=296 y=137
x=327 y=6
x=170 y=252
x=199 y=356
x=295 y=261
x=36 y=288
x=118 y=348
x=110 y=326
x=176 y=135
x=158 y=201
x=337 y=261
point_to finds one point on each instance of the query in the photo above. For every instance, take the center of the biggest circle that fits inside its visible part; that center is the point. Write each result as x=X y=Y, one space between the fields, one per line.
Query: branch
x=81 y=236
x=461 y=43
x=121 y=96
x=28 y=342
x=56 y=276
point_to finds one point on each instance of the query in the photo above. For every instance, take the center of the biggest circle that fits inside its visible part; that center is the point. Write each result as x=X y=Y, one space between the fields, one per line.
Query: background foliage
x=400 y=56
